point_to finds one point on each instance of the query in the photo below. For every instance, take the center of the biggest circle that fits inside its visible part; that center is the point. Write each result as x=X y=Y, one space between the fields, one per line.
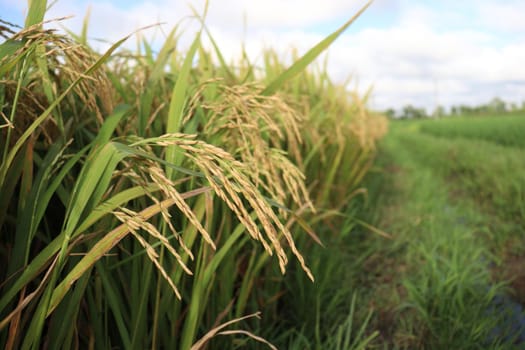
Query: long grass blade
x=178 y=101
x=36 y=12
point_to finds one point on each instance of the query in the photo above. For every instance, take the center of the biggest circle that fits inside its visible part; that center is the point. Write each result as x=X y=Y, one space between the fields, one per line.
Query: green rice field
x=172 y=199
x=506 y=130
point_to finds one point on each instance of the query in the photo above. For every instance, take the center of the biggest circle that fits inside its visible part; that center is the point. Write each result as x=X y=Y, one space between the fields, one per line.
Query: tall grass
x=151 y=201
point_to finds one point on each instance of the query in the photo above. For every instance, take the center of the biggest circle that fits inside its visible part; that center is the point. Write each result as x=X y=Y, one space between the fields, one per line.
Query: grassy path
x=433 y=283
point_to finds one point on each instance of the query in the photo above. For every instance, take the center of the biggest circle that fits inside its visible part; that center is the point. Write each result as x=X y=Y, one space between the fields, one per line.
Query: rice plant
x=151 y=201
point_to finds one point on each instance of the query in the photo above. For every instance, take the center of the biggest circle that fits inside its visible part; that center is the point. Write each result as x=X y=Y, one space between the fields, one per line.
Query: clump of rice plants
x=145 y=206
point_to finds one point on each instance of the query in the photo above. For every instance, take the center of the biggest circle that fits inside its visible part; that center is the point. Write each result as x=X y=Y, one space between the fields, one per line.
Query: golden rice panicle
x=231 y=181
x=66 y=61
x=135 y=222
x=167 y=187
x=139 y=172
x=366 y=126
x=255 y=128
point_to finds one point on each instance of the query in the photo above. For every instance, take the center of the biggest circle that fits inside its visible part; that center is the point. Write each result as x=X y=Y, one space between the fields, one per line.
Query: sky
x=419 y=52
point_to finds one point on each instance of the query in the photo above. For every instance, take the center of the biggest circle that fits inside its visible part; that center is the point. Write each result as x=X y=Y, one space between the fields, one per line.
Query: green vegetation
x=156 y=200
x=174 y=200
x=506 y=130
x=492 y=175
x=455 y=211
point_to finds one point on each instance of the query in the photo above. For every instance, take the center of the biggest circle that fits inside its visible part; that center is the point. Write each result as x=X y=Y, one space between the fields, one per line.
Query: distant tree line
x=495 y=106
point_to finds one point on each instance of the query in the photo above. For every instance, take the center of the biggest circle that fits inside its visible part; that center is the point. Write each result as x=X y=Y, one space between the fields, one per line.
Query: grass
x=506 y=130
x=156 y=200
x=489 y=173
x=435 y=284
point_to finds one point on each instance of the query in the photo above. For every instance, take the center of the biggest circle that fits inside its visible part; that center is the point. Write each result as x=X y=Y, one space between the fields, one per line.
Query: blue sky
x=419 y=52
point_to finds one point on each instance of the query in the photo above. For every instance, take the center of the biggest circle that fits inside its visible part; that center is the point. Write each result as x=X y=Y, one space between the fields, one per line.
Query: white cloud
x=417 y=64
x=280 y=13
x=108 y=21
x=428 y=53
x=503 y=15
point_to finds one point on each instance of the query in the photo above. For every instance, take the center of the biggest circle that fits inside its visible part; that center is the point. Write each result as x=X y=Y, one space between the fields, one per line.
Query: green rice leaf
x=93 y=182
x=157 y=71
x=40 y=262
x=8 y=49
x=36 y=12
x=115 y=304
x=178 y=101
